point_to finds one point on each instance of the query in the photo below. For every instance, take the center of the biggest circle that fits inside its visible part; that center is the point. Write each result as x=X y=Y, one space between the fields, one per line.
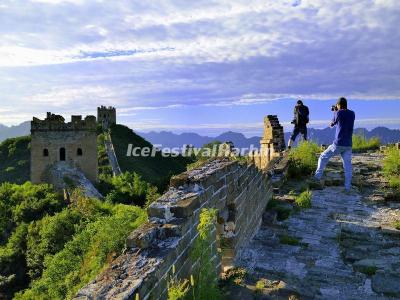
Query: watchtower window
x=79 y=152
x=45 y=152
x=62 y=154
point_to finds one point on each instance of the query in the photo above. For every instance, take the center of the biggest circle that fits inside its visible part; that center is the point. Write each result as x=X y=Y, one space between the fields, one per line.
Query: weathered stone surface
x=341 y=234
x=185 y=207
x=386 y=283
x=143 y=237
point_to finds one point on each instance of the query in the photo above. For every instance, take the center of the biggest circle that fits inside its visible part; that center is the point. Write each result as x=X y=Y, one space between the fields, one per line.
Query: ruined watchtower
x=273 y=140
x=55 y=141
x=106 y=116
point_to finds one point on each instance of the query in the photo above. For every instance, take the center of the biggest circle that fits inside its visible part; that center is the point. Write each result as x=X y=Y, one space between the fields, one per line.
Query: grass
x=303 y=160
x=260 y=285
x=289 y=240
x=282 y=212
x=361 y=143
x=396 y=225
x=391 y=170
x=368 y=270
x=304 y=199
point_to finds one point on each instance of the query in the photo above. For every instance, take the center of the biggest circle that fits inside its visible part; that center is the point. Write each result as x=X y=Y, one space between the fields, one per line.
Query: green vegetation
x=204 y=280
x=15 y=160
x=127 y=188
x=391 y=166
x=361 y=143
x=304 y=199
x=391 y=170
x=155 y=170
x=289 y=240
x=204 y=155
x=53 y=247
x=205 y=275
x=177 y=289
x=303 y=160
x=368 y=270
x=282 y=211
x=396 y=225
x=260 y=285
x=20 y=206
x=100 y=234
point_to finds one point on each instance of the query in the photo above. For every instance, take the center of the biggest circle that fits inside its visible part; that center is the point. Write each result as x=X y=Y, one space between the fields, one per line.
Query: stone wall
x=106 y=116
x=272 y=143
x=240 y=192
x=54 y=140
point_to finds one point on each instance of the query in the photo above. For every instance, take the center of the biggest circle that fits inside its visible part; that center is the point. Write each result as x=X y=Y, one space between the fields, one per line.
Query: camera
x=334 y=108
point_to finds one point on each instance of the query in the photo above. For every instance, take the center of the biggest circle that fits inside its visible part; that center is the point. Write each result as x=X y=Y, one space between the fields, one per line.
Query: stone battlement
x=55 y=122
x=106 y=116
x=106 y=108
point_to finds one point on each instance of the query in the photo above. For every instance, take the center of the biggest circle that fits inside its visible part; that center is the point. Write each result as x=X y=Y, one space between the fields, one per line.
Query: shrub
x=289 y=240
x=260 y=285
x=368 y=270
x=85 y=255
x=391 y=162
x=206 y=277
x=396 y=225
x=303 y=159
x=48 y=236
x=361 y=143
x=391 y=168
x=10 y=169
x=304 y=199
x=177 y=289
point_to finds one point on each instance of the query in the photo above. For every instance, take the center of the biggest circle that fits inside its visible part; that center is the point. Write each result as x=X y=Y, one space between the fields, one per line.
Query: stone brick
x=179 y=180
x=185 y=207
x=144 y=236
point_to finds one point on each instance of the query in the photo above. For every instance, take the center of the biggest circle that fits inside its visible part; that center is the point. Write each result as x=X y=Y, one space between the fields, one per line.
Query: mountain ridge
x=321 y=136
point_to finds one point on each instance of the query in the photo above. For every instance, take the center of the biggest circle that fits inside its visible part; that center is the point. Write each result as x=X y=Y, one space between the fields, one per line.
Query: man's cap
x=299 y=102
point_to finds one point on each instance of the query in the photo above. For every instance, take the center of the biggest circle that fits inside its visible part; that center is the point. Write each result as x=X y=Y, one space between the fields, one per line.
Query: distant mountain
x=320 y=136
x=170 y=139
x=14 y=131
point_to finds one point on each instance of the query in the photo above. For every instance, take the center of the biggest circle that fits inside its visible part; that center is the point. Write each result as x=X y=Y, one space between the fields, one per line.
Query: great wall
x=318 y=265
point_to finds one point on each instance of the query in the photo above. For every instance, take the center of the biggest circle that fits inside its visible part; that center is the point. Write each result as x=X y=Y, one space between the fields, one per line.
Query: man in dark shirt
x=301 y=118
x=342 y=144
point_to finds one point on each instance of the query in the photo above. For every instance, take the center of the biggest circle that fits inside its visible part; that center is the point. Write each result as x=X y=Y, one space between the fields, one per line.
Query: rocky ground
x=344 y=247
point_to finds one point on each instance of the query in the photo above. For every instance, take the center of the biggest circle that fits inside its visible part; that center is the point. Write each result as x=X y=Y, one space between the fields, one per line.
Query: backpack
x=302 y=115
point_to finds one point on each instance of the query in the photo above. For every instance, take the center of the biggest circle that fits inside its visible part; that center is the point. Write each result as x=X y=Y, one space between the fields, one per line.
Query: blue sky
x=200 y=66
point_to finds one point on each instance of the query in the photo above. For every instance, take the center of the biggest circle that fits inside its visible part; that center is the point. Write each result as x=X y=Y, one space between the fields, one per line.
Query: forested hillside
x=155 y=170
x=15 y=160
x=50 y=248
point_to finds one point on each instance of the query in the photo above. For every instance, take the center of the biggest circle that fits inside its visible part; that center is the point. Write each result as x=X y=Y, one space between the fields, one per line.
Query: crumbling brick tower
x=73 y=143
x=106 y=116
x=273 y=140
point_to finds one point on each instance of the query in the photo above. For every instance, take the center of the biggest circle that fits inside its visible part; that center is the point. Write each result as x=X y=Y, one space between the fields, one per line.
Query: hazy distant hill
x=14 y=131
x=321 y=136
x=170 y=139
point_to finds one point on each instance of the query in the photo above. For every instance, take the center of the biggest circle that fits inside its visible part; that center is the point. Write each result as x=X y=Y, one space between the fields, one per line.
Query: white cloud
x=148 y=56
